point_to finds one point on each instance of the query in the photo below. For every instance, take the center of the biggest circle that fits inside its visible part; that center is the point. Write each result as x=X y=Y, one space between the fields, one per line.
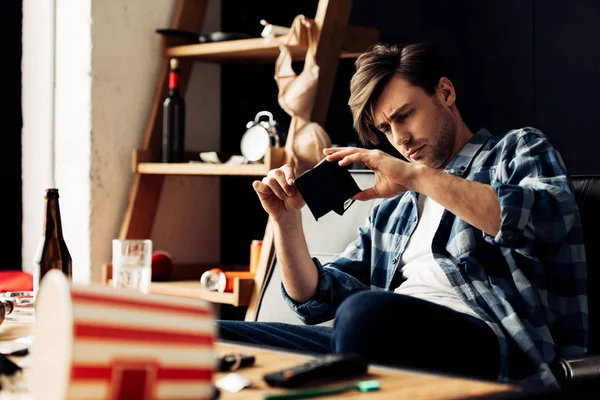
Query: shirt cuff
x=314 y=310
x=516 y=203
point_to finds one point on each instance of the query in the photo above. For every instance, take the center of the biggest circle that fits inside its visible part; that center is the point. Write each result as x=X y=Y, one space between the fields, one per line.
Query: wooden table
x=395 y=383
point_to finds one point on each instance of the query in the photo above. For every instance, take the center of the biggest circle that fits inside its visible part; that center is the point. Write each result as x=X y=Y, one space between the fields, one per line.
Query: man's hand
x=278 y=194
x=392 y=175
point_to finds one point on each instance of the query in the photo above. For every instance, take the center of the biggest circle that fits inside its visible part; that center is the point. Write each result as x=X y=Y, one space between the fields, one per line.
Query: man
x=477 y=246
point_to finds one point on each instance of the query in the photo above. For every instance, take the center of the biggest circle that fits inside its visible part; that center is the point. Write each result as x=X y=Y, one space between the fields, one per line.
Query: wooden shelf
x=242 y=290
x=202 y=169
x=180 y=272
x=254 y=50
x=184 y=281
x=274 y=158
x=261 y=50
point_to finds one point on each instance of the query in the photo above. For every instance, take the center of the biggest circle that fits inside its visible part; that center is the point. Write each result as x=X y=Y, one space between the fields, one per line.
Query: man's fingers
x=272 y=183
x=331 y=150
x=289 y=174
x=281 y=180
x=356 y=157
x=262 y=189
x=367 y=194
x=337 y=153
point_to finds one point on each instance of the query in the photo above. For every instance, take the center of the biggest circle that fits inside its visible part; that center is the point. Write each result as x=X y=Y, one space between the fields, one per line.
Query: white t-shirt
x=424 y=276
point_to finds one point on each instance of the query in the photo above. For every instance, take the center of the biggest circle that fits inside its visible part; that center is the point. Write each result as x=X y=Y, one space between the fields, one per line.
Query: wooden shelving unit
x=333 y=39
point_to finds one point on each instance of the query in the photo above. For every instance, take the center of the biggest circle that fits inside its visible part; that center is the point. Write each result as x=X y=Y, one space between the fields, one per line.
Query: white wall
x=38 y=119
x=72 y=128
x=107 y=62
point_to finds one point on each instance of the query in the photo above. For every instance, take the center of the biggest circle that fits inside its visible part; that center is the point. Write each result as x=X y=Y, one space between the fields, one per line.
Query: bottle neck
x=174 y=81
x=53 y=225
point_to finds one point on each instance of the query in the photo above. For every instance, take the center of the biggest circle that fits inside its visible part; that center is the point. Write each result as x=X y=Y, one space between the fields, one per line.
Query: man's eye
x=404 y=116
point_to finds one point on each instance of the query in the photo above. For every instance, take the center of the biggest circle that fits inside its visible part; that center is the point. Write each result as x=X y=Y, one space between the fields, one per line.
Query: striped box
x=95 y=342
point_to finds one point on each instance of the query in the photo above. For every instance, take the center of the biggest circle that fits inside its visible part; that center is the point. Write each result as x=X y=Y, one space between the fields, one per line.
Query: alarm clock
x=260 y=135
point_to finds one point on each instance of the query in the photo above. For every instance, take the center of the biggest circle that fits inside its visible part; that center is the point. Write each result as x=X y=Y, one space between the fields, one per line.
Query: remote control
x=323 y=367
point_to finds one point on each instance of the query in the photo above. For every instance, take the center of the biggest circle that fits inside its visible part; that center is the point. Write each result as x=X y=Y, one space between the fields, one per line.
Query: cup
x=95 y=343
x=132 y=264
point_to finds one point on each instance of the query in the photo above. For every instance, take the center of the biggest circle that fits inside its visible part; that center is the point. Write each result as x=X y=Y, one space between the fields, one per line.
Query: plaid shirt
x=528 y=283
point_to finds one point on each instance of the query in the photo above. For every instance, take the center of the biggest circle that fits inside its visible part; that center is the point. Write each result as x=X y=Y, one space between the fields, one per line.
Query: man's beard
x=446 y=128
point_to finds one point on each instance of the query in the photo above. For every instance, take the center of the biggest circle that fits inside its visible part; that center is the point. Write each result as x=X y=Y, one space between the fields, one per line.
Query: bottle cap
x=52 y=192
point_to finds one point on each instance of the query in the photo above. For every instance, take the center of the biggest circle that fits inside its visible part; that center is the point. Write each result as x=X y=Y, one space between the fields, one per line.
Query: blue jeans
x=390 y=329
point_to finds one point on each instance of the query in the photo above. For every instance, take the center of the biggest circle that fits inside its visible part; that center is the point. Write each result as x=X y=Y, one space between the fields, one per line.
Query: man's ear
x=446 y=92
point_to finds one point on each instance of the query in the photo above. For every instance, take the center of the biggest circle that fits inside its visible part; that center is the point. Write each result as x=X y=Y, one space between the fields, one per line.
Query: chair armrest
x=577 y=371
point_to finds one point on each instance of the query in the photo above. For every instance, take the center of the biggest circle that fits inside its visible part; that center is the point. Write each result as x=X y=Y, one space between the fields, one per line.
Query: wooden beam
x=141 y=209
x=267 y=253
x=331 y=20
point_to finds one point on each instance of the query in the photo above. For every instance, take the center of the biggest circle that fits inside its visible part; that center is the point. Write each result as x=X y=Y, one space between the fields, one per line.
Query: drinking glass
x=132 y=264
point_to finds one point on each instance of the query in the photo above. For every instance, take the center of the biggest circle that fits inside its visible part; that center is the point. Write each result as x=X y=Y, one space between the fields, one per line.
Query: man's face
x=418 y=125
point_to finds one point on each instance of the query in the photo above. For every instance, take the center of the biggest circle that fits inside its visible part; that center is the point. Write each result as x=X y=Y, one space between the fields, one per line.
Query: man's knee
x=366 y=305
x=357 y=320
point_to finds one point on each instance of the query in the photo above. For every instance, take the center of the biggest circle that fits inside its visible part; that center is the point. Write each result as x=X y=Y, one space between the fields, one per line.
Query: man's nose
x=400 y=136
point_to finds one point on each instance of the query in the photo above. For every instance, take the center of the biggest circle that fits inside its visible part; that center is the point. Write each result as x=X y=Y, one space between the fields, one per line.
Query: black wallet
x=327 y=187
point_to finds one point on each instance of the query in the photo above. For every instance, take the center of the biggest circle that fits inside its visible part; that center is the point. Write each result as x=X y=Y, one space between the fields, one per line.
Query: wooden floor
x=395 y=384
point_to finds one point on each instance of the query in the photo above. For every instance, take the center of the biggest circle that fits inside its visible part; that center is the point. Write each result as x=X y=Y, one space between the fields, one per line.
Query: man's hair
x=417 y=63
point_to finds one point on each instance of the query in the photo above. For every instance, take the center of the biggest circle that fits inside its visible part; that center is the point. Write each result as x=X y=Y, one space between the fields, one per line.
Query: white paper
x=232 y=383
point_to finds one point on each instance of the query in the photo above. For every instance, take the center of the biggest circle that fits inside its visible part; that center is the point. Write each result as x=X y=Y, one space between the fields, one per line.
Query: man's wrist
x=288 y=220
x=421 y=175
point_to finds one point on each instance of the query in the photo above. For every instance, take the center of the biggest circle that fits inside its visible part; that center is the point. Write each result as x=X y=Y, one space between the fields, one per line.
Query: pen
x=363 y=386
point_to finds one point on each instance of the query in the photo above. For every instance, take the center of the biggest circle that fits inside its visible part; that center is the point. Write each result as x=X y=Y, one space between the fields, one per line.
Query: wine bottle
x=52 y=251
x=173 y=143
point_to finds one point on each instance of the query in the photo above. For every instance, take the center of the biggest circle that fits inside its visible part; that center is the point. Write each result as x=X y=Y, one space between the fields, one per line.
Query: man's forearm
x=298 y=271
x=473 y=202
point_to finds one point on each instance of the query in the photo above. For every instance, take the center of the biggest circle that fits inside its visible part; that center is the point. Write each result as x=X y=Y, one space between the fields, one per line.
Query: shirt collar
x=462 y=161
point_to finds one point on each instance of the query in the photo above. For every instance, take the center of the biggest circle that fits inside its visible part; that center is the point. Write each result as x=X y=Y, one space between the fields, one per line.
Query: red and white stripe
x=163 y=345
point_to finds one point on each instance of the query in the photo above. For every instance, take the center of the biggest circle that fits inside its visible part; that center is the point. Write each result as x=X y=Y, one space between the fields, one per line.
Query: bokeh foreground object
x=99 y=343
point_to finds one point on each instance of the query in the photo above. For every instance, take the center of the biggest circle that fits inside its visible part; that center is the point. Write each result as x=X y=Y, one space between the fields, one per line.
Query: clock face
x=255 y=143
